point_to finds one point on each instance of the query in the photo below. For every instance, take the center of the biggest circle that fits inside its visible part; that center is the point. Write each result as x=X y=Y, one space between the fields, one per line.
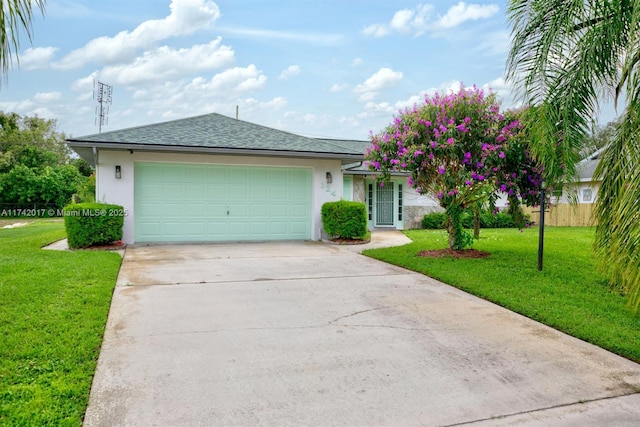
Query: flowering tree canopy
x=460 y=149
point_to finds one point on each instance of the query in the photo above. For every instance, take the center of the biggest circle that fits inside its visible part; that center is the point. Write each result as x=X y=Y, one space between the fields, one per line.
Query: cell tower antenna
x=102 y=94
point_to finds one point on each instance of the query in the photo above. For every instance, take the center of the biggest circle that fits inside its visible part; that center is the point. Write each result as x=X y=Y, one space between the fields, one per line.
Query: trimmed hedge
x=437 y=220
x=434 y=220
x=93 y=224
x=344 y=219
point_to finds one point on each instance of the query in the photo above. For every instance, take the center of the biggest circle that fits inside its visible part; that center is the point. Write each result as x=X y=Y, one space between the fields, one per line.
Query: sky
x=319 y=68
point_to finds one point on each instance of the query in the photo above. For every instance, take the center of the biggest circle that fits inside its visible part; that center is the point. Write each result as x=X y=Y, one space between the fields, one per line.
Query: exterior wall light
x=118 y=172
x=329 y=178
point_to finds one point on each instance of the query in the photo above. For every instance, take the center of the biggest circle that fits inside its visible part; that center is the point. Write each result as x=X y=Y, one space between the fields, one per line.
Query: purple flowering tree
x=460 y=149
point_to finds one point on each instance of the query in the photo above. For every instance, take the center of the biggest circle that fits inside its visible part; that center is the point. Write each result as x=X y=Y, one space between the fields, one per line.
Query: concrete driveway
x=314 y=334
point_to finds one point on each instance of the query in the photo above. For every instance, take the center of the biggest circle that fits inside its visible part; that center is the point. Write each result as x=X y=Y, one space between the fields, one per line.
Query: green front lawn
x=568 y=294
x=53 y=310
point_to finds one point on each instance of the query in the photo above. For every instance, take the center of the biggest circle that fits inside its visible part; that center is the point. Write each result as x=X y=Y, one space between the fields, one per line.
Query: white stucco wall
x=121 y=191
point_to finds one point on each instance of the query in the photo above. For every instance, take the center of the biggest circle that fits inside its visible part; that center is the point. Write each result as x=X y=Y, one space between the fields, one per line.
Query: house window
x=370 y=201
x=587 y=195
x=399 y=202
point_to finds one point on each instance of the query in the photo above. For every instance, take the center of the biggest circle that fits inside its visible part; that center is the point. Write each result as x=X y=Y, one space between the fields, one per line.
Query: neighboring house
x=585 y=189
x=215 y=178
x=574 y=206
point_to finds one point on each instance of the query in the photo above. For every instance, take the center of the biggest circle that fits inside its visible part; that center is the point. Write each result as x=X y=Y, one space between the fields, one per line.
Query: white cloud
x=290 y=71
x=232 y=80
x=381 y=79
x=376 y=30
x=421 y=19
x=496 y=43
x=462 y=12
x=504 y=90
x=84 y=84
x=292 y=36
x=37 y=58
x=357 y=62
x=43 y=97
x=186 y=17
x=338 y=87
x=166 y=63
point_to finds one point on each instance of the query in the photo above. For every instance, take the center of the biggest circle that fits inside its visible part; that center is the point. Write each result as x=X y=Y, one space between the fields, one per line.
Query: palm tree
x=15 y=16
x=567 y=58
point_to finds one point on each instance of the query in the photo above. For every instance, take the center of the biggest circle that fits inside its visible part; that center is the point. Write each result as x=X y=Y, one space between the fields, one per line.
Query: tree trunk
x=476 y=222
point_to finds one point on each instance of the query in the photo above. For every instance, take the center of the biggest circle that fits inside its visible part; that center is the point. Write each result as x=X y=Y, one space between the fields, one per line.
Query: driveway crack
x=355 y=313
x=533 y=411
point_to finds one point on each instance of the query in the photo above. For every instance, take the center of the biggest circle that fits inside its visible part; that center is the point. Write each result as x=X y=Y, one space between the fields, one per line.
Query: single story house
x=216 y=178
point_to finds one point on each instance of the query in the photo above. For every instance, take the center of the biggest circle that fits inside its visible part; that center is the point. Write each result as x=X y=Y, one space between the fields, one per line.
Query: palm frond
x=15 y=17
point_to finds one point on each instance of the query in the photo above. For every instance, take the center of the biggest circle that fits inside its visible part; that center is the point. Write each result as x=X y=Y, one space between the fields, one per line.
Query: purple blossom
x=501 y=155
x=417 y=153
x=434 y=144
x=441 y=170
x=450 y=141
x=467 y=155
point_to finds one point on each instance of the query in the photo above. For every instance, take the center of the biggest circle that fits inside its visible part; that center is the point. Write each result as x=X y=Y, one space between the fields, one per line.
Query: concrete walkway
x=315 y=334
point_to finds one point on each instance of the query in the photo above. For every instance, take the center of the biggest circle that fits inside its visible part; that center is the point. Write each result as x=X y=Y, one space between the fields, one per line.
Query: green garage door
x=188 y=203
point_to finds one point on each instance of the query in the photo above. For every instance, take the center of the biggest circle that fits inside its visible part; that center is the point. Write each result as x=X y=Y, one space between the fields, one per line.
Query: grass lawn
x=568 y=295
x=53 y=310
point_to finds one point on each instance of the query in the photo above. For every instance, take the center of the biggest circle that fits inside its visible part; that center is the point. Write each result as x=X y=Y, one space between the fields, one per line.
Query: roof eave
x=345 y=157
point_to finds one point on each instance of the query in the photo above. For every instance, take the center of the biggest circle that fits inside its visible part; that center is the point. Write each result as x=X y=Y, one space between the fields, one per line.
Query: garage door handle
x=227 y=212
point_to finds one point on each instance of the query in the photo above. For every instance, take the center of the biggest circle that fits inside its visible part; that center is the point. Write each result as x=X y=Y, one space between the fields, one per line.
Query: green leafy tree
x=36 y=167
x=567 y=58
x=461 y=149
x=15 y=17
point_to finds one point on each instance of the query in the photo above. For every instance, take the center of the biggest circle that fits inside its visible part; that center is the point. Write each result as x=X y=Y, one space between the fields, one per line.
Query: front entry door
x=384 y=205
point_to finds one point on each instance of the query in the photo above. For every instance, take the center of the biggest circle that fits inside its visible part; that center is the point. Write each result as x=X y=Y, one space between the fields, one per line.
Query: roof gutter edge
x=215 y=150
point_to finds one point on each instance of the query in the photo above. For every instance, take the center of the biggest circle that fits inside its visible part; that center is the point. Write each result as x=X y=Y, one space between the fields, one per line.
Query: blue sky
x=324 y=68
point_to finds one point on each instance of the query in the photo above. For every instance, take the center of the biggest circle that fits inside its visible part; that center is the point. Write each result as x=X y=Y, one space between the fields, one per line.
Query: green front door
x=188 y=203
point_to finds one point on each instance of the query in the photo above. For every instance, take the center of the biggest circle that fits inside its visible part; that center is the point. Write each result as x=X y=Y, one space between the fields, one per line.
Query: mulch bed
x=111 y=247
x=467 y=253
x=340 y=241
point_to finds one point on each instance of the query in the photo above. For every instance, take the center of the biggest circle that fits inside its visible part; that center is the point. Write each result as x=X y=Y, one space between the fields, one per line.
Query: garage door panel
x=173 y=191
x=239 y=176
x=299 y=211
x=195 y=174
x=149 y=210
x=238 y=192
x=217 y=191
x=194 y=210
x=216 y=176
x=298 y=227
x=195 y=191
x=183 y=202
x=173 y=228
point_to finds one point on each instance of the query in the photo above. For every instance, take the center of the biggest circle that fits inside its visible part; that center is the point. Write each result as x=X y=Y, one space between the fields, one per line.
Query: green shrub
x=344 y=219
x=93 y=224
x=434 y=220
x=437 y=220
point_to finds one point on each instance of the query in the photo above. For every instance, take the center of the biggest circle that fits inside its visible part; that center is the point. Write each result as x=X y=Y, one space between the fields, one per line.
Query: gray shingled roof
x=218 y=133
x=586 y=169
